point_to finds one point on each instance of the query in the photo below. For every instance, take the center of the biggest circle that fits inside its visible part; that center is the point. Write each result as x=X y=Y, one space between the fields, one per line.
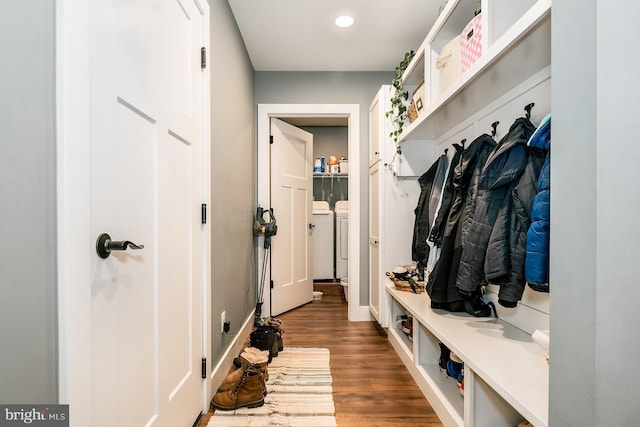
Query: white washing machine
x=342 y=239
x=322 y=241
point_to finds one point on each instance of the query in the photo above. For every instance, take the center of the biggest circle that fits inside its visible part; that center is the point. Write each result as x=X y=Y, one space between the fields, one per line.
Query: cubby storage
x=515 y=45
x=506 y=374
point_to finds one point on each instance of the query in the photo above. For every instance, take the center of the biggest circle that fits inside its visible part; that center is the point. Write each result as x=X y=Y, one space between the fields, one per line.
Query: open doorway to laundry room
x=342 y=118
x=330 y=216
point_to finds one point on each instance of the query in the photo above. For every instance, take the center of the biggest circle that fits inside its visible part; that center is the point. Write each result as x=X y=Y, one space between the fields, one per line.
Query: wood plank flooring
x=371 y=386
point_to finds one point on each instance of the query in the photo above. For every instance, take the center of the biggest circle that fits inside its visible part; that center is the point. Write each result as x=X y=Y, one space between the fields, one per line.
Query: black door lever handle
x=104 y=245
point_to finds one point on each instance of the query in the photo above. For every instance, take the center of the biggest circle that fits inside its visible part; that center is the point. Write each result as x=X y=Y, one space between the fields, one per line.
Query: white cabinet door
x=376 y=111
x=374 y=240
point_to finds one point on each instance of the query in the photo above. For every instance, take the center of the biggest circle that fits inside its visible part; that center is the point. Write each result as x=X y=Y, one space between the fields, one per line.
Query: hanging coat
x=537 y=254
x=505 y=267
x=436 y=202
x=431 y=184
x=442 y=281
x=494 y=206
x=437 y=230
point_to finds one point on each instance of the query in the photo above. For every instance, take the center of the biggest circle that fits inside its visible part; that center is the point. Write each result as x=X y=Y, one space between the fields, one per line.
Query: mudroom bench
x=506 y=374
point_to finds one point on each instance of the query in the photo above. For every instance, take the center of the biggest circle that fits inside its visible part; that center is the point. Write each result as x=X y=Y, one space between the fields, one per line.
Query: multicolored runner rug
x=299 y=394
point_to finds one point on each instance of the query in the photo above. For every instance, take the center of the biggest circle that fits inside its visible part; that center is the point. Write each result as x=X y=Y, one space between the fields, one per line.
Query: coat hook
x=446 y=150
x=463 y=141
x=494 y=125
x=528 y=108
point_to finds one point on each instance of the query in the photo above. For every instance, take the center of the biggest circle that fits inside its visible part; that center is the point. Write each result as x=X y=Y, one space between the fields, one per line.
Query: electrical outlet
x=223 y=319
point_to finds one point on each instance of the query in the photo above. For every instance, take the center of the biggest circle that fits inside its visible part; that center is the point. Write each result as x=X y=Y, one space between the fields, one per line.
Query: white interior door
x=147 y=141
x=291 y=200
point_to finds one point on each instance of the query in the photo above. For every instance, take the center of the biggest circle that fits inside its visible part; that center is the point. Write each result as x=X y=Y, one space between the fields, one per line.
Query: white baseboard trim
x=360 y=314
x=224 y=364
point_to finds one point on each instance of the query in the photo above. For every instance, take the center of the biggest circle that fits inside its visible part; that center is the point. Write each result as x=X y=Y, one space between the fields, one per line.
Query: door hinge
x=203 y=57
x=203 y=213
x=270 y=139
x=204 y=368
x=271 y=283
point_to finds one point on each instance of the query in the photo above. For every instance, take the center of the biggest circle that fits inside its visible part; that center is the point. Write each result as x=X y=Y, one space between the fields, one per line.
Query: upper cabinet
x=376 y=122
x=470 y=58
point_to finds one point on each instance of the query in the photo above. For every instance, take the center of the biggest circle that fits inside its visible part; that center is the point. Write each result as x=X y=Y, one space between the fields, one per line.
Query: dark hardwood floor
x=371 y=386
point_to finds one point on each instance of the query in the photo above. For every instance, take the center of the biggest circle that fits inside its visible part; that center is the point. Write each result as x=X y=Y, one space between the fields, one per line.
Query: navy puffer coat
x=537 y=255
x=504 y=264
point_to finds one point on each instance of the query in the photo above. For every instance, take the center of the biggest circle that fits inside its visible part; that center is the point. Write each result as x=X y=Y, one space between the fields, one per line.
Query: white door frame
x=352 y=113
x=73 y=165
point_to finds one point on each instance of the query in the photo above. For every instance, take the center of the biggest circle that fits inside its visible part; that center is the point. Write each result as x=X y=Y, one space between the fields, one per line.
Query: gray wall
x=233 y=178
x=595 y=210
x=28 y=328
x=332 y=88
x=330 y=141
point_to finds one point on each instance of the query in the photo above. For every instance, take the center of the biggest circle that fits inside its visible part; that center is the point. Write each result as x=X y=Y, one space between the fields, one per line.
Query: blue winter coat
x=537 y=255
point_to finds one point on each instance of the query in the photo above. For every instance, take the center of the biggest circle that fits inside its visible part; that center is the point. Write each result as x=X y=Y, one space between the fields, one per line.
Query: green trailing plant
x=398 y=112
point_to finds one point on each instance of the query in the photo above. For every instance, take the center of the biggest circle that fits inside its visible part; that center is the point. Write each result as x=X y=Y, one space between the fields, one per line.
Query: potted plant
x=398 y=112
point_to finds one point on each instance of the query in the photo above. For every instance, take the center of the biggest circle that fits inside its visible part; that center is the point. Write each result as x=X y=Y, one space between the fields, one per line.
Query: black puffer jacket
x=488 y=234
x=441 y=285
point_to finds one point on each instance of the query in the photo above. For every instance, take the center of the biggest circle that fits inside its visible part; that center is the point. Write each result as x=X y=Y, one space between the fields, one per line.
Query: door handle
x=104 y=245
x=311 y=226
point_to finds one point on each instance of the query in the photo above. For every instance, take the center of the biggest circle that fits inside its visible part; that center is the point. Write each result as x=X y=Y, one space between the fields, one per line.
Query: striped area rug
x=299 y=394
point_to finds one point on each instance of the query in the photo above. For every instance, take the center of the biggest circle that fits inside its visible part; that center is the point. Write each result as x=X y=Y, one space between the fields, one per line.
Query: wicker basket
x=404 y=282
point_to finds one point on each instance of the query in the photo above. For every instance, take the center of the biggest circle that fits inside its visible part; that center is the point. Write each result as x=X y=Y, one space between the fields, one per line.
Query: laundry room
x=330 y=199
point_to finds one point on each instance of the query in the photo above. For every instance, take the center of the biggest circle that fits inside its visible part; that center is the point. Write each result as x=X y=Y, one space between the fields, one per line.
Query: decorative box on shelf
x=412 y=112
x=418 y=97
x=471 y=43
x=448 y=64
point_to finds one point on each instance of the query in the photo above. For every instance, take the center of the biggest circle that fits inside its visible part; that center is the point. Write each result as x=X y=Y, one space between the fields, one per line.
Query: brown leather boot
x=260 y=358
x=254 y=357
x=246 y=393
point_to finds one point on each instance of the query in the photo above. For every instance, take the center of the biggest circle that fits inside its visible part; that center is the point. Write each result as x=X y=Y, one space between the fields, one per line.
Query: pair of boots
x=244 y=387
x=268 y=336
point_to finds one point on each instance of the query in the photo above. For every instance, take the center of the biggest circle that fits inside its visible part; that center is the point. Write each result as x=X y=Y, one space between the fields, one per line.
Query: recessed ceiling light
x=344 y=21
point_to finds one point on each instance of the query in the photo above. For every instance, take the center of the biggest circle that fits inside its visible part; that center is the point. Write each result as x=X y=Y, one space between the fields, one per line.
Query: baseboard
x=226 y=361
x=360 y=314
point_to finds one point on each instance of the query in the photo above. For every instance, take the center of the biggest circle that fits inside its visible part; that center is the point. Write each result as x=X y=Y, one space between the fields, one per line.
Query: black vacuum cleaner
x=267 y=228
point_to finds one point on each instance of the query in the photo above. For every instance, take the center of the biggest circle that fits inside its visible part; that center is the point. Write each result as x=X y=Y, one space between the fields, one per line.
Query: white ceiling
x=300 y=35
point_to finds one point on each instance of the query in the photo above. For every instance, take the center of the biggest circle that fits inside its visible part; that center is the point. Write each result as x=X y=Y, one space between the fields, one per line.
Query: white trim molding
x=352 y=113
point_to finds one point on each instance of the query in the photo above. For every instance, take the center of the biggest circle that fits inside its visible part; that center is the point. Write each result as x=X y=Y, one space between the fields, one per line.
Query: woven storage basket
x=402 y=284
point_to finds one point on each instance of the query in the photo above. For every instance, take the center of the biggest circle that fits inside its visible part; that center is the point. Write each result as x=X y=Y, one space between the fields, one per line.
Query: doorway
x=351 y=112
